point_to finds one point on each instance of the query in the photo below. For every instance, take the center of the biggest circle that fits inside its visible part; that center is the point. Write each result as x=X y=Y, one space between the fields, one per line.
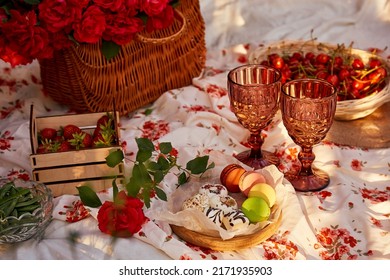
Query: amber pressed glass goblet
x=308 y=107
x=254 y=93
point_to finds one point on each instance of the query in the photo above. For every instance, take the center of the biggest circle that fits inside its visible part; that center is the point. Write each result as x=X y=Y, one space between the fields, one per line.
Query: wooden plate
x=235 y=243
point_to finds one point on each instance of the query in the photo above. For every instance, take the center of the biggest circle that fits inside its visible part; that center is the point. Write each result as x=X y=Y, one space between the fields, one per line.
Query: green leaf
x=110 y=49
x=158 y=176
x=163 y=163
x=143 y=155
x=89 y=197
x=32 y=2
x=114 y=188
x=198 y=165
x=144 y=144
x=182 y=179
x=148 y=111
x=152 y=165
x=165 y=147
x=146 y=198
x=160 y=194
x=132 y=187
x=114 y=158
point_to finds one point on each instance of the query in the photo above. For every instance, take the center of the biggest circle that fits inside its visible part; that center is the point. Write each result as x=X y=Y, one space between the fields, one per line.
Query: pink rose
x=91 y=26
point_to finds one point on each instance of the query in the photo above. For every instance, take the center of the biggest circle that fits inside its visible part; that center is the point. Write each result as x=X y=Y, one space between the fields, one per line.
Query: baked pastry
x=198 y=201
x=235 y=220
x=226 y=203
x=215 y=215
x=213 y=189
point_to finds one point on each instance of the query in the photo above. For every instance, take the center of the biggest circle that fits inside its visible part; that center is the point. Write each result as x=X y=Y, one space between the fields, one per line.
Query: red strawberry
x=64 y=146
x=69 y=130
x=48 y=133
x=81 y=140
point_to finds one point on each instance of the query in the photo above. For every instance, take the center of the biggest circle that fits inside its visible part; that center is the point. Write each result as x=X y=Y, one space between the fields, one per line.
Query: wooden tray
x=235 y=243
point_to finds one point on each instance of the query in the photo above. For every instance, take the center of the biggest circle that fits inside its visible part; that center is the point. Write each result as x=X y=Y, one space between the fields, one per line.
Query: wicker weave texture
x=152 y=64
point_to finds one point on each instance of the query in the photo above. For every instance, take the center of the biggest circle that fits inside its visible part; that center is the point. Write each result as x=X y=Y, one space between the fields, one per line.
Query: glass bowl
x=33 y=212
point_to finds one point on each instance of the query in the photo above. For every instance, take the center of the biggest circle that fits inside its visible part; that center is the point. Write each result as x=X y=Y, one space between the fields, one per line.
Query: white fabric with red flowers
x=348 y=220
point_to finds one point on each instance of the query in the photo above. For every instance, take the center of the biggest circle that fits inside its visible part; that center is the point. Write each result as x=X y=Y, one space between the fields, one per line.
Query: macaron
x=264 y=191
x=249 y=179
x=230 y=177
x=256 y=209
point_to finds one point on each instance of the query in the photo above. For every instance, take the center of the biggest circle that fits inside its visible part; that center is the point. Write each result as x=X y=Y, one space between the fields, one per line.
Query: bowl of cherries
x=361 y=77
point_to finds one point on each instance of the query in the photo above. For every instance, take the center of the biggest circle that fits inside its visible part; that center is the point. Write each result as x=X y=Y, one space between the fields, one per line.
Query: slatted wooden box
x=62 y=172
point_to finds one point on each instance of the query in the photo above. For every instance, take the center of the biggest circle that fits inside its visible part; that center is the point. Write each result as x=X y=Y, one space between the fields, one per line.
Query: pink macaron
x=249 y=179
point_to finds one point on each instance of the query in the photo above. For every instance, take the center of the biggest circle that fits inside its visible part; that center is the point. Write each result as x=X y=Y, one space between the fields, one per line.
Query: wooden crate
x=62 y=172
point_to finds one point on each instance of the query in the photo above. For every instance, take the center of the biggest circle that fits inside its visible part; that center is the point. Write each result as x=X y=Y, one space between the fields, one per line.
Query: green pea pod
x=28 y=208
x=6 y=187
x=22 y=192
x=27 y=202
x=9 y=210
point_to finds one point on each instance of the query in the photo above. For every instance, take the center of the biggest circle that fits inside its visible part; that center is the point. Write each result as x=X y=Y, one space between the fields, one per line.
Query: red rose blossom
x=91 y=26
x=25 y=37
x=121 y=28
x=161 y=21
x=57 y=15
x=113 y=5
x=121 y=218
x=154 y=7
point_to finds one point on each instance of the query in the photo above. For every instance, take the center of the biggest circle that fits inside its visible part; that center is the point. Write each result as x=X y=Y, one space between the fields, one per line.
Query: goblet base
x=309 y=183
x=257 y=162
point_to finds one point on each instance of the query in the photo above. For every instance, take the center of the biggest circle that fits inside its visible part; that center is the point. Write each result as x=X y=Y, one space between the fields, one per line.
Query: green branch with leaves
x=151 y=166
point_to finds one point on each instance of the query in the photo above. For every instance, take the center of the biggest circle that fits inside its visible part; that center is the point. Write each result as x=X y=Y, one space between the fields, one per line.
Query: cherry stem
x=306 y=157
x=255 y=141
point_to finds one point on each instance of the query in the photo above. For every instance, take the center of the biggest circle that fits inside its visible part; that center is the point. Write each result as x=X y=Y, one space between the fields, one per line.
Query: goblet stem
x=306 y=157
x=255 y=141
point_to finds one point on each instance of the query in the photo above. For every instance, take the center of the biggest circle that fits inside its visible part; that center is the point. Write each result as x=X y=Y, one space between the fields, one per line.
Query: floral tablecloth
x=348 y=220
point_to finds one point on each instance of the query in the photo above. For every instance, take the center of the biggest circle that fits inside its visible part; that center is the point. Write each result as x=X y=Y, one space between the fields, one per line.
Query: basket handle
x=159 y=41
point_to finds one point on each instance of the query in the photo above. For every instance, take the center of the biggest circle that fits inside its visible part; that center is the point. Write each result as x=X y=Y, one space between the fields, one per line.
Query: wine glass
x=254 y=93
x=308 y=107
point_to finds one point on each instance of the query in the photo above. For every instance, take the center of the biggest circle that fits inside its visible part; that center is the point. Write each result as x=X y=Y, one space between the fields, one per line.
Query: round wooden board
x=372 y=131
x=235 y=243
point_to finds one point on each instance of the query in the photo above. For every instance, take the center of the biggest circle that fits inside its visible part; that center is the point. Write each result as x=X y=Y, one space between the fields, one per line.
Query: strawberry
x=64 y=146
x=69 y=130
x=48 y=133
x=81 y=140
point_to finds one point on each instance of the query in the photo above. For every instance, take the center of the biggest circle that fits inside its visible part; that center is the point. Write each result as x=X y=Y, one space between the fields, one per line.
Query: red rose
x=113 y=5
x=161 y=21
x=91 y=26
x=121 y=218
x=121 y=28
x=154 y=7
x=25 y=37
x=57 y=15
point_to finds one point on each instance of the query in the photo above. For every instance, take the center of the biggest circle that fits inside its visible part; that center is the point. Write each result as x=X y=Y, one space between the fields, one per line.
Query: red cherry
x=374 y=63
x=357 y=64
x=322 y=58
x=333 y=79
x=278 y=62
x=344 y=74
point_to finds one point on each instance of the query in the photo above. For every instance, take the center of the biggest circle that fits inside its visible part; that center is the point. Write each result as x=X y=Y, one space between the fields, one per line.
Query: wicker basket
x=346 y=109
x=152 y=64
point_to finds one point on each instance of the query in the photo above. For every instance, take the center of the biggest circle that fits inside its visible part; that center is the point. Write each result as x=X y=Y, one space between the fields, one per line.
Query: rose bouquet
x=35 y=29
x=123 y=216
